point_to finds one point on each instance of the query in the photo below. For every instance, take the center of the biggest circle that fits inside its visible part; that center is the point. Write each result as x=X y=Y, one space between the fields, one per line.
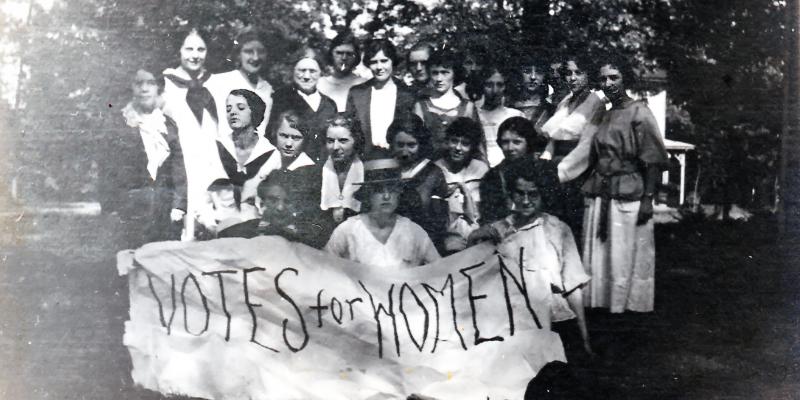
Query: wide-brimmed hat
x=381 y=171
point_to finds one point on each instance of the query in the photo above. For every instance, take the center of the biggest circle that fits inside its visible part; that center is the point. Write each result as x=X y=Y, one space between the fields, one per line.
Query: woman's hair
x=257 y=106
x=585 y=63
x=350 y=122
x=412 y=125
x=376 y=46
x=468 y=128
x=308 y=52
x=522 y=127
x=278 y=178
x=619 y=62
x=532 y=170
x=157 y=73
x=345 y=37
x=295 y=120
x=246 y=36
x=179 y=36
x=448 y=59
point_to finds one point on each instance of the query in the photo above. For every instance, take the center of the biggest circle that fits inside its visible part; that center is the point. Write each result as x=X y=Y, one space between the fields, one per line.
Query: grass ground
x=725 y=326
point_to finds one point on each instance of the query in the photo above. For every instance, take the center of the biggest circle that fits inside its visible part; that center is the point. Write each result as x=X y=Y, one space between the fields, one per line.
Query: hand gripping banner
x=266 y=318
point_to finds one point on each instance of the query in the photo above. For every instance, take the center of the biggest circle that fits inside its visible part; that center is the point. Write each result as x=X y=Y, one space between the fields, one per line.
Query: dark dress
x=126 y=187
x=359 y=100
x=423 y=201
x=287 y=98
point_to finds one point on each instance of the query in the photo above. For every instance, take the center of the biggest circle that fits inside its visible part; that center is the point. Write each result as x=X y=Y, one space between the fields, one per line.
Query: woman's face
x=513 y=145
x=611 y=82
x=306 y=75
x=289 y=140
x=533 y=79
x=275 y=204
x=340 y=144
x=384 y=199
x=239 y=113
x=252 y=57
x=145 y=90
x=459 y=149
x=405 y=149
x=526 y=197
x=576 y=78
x=381 y=67
x=442 y=78
x=193 y=53
x=493 y=89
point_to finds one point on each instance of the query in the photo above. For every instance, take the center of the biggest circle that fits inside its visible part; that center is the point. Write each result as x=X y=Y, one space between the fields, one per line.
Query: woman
x=444 y=105
x=379 y=237
x=250 y=55
x=569 y=131
x=463 y=171
x=532 y=94
x=145 y=180
x=376 y=102
x=541 y=242
x=492 y=112
x=342 y=170
x=423 y=201
x=627 y=156
x=302 y=96
x=191 y=106
x=517 y=139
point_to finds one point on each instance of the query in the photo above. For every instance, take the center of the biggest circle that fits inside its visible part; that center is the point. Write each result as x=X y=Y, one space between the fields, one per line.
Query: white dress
x=407 y=246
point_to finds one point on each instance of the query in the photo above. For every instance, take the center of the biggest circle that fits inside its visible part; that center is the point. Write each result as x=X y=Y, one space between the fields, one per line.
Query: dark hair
x=275 y=178
x=585 y=63
x=522 y=127
x=157 y=73
x=376 y=46
x=246 y=36
x=470 y=129
x=351 y=123
x=256 y=104
x=179 y=36
x=448 y=59
x=412 y=125
x=621 y=63
x=540 y=172
x=345 y=37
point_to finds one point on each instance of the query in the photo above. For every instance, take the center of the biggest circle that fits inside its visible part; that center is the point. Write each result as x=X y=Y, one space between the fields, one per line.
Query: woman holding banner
x=378 y=236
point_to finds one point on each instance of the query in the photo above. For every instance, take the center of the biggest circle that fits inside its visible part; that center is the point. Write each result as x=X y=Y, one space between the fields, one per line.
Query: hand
x=176 y=215
x=645 y=210
x=588 y=348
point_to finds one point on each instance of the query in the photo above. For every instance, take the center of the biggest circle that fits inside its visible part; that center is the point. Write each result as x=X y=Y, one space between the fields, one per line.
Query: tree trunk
x=789 y=211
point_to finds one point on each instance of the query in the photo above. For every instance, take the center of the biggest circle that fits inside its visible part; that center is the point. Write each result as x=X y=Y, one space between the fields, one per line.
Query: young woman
x=532 y=93
x=463 y=171
x=492 y=112
x=250 y=56
x=342 y=170
x=189 y=103
x=424 y=198
x=144 y=182
x=302 y=96
x=627 y=156
x=379 y=237
x=444 y=105
x=378 y=101
x=541 y=242
x=517 y=139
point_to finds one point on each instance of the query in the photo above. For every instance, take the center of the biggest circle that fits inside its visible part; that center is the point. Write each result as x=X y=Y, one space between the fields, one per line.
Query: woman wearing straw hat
x=378 y=236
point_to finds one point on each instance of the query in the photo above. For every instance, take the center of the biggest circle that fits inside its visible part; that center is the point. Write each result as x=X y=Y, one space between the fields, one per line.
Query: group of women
x=397 y=175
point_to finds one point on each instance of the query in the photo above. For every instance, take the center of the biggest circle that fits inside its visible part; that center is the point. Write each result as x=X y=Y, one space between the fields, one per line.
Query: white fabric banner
x=265 y=318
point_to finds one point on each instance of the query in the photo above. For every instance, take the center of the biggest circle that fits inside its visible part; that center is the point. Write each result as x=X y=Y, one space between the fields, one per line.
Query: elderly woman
x=250 y=56
x=541 y=242
x=444 y=105
x=517 y=139
x=189 y=103
x=378 y=101
x=342 y=170
x=492 y=112
x=302 y=96
x=144 y=181
x=378 y=237
x=627 y=155
x=463 y=171
x=424 y=198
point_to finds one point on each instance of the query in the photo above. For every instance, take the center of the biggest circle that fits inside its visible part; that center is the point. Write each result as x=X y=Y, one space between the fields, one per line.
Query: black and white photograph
x=399 y=199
